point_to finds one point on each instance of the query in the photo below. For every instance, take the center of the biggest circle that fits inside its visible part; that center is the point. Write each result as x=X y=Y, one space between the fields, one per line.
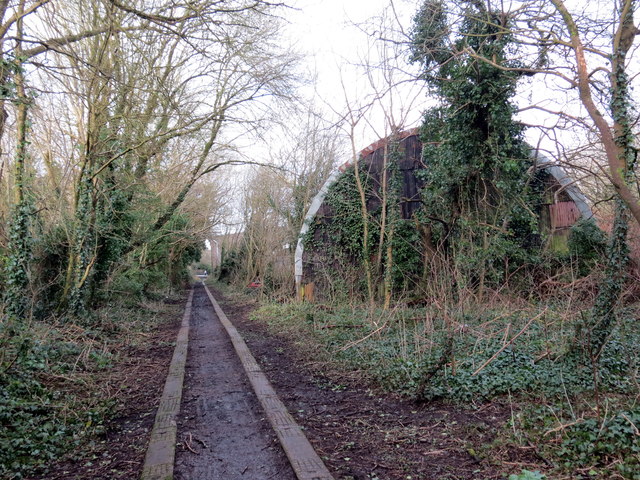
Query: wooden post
x=308 y=292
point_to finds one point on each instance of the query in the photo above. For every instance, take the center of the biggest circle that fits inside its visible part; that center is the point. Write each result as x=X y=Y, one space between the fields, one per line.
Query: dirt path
x=222 y=430
x=364 y=434
x=360 y=433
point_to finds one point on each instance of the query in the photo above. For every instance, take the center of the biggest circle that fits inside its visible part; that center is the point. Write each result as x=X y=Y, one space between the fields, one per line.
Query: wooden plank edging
x=160 y=457
x=306 y=463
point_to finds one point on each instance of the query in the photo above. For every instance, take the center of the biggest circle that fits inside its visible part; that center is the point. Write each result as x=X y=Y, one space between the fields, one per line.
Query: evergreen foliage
x=20 y=242
x=20 y=253
x=338 y=239
x=479 y=197
x=587 y=245
x=480 y=203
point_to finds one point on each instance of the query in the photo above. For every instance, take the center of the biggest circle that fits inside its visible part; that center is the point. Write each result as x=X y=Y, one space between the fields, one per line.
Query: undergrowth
x=56 y=392
x=580 y=411
x=40 y=422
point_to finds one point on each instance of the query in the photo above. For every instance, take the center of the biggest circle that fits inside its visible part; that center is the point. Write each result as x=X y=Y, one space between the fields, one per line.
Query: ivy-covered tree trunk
x=83 y=238
x=82 y=255
x=388 y=273
x=476 y=157
x=604 y=310
x=391 y=201
x=97 y=157
x=17 y=295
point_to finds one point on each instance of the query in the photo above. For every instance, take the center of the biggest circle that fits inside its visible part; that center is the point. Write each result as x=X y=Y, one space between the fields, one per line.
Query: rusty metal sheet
x=563 y=214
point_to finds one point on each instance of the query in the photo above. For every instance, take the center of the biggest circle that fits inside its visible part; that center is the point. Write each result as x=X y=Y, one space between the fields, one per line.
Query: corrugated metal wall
x=563 y=214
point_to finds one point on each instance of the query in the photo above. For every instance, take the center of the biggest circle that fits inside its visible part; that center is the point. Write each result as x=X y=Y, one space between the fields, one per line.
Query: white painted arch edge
x=568 y=184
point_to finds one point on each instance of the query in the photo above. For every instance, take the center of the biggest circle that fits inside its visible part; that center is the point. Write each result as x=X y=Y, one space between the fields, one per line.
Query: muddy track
x=362 y=433
x=222 y=429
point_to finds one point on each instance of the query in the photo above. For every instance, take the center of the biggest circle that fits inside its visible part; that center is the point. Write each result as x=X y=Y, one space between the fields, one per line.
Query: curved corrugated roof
x=556 y=171
x=568 y=184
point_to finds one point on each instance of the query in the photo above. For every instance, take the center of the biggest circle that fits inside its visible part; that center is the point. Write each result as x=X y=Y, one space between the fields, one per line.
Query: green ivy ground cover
x=53 y=377
x=582 y=413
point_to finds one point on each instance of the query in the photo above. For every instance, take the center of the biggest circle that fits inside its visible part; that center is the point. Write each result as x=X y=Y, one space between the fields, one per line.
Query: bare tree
x=152 y=87
x=387 y=107
x=277 y=199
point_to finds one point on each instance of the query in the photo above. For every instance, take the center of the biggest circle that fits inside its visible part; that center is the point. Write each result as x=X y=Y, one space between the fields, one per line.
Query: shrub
x=587 y=243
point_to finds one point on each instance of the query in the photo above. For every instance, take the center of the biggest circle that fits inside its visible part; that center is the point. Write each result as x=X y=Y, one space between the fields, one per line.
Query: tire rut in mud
x=222 y=430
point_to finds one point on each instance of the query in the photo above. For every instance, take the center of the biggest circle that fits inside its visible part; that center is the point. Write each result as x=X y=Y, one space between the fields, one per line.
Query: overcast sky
x=325 y=32
x=335 y=37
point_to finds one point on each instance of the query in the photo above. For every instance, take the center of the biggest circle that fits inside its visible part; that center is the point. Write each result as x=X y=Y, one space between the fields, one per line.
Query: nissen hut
x=331 y=253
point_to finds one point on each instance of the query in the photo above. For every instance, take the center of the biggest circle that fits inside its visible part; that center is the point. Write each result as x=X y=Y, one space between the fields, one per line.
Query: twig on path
x=202 y=442
x=187 y=443
x=436 y=452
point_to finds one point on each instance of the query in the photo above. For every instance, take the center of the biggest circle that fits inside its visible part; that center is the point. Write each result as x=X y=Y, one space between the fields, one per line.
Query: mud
x=362 y=433
x=222 y=430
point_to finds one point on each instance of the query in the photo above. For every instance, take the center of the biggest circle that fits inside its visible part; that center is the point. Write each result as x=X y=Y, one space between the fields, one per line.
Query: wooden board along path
x=303 y=458
x=161 y=454
x=158 y=462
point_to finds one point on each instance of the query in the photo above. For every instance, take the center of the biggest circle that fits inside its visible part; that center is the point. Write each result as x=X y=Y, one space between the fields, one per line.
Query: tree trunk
x=19 y=257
